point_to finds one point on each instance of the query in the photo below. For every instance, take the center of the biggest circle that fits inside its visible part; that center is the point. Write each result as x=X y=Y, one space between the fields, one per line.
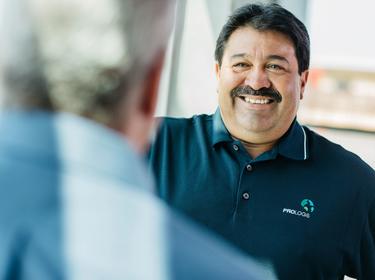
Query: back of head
x=270 y=17
x=81 y=56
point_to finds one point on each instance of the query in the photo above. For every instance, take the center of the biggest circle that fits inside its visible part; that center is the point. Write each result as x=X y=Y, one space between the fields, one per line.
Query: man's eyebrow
x=272 y=56
x=277 y=57
x=240 y=55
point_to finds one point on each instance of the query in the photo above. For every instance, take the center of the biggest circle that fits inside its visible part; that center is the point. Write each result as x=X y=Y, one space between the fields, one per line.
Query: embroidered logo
x=308 y=205
x=307 y=208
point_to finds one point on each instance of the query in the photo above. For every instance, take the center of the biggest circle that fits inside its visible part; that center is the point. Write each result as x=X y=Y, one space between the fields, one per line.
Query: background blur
x=340 y=98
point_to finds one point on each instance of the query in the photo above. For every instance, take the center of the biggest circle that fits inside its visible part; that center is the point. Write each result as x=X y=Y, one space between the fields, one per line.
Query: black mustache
x=247 y=90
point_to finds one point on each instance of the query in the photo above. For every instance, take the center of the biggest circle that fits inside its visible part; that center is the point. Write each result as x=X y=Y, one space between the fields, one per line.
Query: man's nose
x=257 y=78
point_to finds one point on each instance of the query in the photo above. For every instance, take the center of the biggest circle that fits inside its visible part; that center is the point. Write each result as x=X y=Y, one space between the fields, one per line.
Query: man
x=75 y=197
x=252 y=173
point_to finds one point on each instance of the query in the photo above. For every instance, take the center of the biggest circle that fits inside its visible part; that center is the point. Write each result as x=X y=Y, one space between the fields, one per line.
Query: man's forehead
x=247 y=42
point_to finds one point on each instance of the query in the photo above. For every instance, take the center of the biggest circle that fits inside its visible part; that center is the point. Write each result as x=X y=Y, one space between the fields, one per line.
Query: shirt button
x=246 y=195
x=249 y=167
x=235 y=147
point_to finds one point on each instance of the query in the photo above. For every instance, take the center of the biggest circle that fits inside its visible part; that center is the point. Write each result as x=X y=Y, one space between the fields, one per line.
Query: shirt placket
x=244 y=200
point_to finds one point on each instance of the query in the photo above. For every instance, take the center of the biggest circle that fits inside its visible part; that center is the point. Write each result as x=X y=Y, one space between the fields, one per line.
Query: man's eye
x=240 y=65
x=274 y=67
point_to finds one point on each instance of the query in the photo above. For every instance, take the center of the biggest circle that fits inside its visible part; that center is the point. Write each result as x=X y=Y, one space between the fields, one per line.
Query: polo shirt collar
x=292 y=145
x=219 y=131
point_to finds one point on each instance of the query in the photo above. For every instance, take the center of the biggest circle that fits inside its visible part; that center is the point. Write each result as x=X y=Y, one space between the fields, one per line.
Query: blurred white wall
x=342 y=35
x=192 y=87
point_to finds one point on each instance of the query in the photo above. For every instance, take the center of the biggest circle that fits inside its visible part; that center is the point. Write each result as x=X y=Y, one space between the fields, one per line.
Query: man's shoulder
x=181 y=123
x=324 y=149
x=177 y=136
x=181 y=127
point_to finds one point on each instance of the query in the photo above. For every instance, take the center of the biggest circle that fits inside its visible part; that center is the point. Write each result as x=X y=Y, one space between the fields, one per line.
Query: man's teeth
x=257 y=101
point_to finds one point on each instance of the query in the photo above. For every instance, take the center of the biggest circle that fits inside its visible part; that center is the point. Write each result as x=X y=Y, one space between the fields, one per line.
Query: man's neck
x=256 y=150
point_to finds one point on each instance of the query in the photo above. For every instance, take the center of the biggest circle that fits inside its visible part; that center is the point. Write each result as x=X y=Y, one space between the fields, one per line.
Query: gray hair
x=78 y=55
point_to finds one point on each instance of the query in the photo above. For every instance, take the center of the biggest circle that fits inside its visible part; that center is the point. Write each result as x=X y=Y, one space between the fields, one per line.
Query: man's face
x=259 y=60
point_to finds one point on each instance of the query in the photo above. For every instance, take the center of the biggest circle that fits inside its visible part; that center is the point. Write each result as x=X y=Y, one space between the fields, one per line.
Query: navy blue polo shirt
x=307 y=206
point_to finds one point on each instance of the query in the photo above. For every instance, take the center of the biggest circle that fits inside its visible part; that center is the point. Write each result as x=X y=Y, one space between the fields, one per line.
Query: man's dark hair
x=268 y=17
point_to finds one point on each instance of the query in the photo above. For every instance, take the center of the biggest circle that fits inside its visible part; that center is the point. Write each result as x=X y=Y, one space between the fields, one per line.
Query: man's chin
x=254 y=125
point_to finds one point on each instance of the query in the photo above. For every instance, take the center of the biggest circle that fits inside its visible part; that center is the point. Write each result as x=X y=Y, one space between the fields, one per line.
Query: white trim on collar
x=304 y=143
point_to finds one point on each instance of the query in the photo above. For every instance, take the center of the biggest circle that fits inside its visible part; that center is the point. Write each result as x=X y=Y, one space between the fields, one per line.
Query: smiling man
x=251 y=172
x=260 y=85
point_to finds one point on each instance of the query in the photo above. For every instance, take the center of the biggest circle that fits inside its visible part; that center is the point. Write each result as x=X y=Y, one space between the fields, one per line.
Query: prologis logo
x=308 y=207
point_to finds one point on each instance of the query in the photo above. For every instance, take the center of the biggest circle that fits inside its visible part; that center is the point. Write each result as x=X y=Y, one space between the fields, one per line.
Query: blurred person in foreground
x=79 y=85
x=252 y=173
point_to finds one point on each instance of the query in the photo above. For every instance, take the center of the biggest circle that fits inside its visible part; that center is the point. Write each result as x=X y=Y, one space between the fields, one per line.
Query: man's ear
x=304 y=77
x=138 y=118
x=151 y=86
x=217 y=70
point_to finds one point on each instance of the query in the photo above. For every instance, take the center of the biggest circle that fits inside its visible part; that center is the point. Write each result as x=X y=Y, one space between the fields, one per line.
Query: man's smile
x=257 y=100
x=261 y=96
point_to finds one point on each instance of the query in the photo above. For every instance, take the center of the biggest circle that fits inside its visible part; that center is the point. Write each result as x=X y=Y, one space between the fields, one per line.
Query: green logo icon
x=308 y=205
